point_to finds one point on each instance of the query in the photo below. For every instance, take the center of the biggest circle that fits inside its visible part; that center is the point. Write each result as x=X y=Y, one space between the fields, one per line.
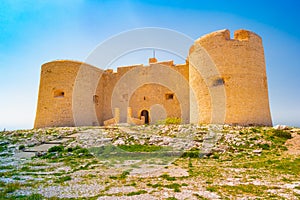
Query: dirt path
x=293 y=144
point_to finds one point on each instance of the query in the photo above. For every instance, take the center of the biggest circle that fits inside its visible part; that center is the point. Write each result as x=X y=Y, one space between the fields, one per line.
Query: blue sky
x=35 y=32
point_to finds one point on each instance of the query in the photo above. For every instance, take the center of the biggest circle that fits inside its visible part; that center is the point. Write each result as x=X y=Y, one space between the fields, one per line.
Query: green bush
x=35 y=197
x=264 y=146
x=282 y=134
x=59 y=148
x=63 y=179
x=137 y=193
x=22 y=147
x=191 y=154
x=2 y=148
x=71 y=149
x=168 y=177
x=140 y=148
x=124 y=174
x=82 y=150
x=170 y=120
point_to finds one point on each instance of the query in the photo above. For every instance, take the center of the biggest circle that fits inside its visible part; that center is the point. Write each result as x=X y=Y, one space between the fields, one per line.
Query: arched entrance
x=145 y=113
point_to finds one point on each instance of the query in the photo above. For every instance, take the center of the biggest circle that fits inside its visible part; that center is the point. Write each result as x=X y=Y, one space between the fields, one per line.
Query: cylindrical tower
x=238 y=66
x=54 y=106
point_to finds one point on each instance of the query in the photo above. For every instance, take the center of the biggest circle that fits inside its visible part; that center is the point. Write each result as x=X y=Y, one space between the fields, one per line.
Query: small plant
x=282 y=134
x=169 y=121
x=140 y=148
x=297 y=187
x=131 y=184
x=211 y=189
x=171 y=198
x=216 y=156
x=113 y=177
x=63 y=179
x=264 y=146
x=124 y=174
x=59 y=148
x=190 y=163
x=168 y=177
x=137 y=193
x=193 y=153
x=2 y=148
x=22 y=147
x=35 y=197
x=11 y=187
x=174 y=186
x=255 y=130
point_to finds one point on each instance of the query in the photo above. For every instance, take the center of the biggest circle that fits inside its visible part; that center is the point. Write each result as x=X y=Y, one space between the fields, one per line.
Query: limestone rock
x=281 y=127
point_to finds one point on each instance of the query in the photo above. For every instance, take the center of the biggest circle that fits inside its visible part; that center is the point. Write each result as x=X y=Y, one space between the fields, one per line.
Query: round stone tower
x=228 y=78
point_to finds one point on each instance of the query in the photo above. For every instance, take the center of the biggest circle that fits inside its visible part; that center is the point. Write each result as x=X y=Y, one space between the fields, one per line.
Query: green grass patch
x=171 y=198
x=282 y=134
x=59 y=148
x=193 y=153
x=248 y=189
x=169 y=121
x=175 y=186
x=140 y=148
x=212 y=189
x=124 y=174
x=136 y=193
x=63 y=179
x=2 y=148
x=168 y=177
x=6 y=167
x=22 y=147
x=280 y=166
x=11 y=187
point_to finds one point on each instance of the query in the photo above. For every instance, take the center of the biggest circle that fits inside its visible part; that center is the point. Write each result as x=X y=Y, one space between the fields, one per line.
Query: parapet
x=245 y=35
x=123 y=69
x=217 y=35
x=167 y=63
x=68 y=63
x=218 y=38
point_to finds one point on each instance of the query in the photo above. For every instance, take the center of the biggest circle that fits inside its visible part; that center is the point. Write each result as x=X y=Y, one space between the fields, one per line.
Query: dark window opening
x=59 y=93
x=144 y=98
x=169 y=96
x=95 y=99
x=145 y=113
x=218 y=81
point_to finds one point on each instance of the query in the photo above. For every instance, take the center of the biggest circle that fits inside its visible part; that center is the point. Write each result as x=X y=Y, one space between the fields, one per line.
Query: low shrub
x=59 y=148
x=170 y=120
x=282 y=134
x=22 y=147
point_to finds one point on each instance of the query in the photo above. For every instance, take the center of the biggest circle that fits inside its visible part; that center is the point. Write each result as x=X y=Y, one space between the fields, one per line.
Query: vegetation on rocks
x=163 y=161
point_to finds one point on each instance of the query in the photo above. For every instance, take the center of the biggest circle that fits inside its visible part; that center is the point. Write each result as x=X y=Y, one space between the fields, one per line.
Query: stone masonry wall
x=55 y=94
x=241 y=64
x=223 y=81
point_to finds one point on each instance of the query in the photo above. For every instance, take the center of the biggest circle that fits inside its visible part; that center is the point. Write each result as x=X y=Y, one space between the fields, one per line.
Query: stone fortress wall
x=223 y=81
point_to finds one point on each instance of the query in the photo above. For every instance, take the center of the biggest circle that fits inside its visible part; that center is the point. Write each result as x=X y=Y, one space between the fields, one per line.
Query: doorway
x=145 y=113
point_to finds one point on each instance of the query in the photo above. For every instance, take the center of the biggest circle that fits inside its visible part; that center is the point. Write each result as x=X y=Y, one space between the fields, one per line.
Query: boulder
x=281 y=127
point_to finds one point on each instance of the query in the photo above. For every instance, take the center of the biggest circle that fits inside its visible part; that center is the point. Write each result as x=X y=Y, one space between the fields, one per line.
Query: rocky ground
x=151 y=162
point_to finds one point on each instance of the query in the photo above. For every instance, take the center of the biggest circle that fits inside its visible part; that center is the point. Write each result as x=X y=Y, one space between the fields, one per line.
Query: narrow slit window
x=169 y=96
x=95 y=99
x=59 y=94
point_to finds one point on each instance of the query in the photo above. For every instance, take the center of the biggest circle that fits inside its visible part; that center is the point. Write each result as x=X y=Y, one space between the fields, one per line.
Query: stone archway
x=145 y=113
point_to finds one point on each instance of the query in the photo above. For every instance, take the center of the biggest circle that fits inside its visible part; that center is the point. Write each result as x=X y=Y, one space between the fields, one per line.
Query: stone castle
x=223 y=81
